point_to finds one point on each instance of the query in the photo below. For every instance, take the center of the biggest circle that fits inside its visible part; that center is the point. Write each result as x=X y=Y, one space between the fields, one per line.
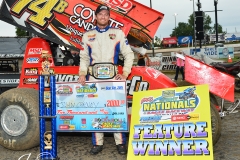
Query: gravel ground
x=76 y=146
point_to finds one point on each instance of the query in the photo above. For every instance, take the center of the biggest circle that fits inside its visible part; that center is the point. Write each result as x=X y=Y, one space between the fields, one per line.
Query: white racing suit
x=101 y=46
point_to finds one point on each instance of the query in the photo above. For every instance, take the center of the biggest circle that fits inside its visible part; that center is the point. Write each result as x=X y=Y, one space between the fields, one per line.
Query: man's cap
x=102 y=7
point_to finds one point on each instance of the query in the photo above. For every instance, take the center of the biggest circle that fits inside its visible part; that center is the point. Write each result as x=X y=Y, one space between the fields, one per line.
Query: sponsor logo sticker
x=31 y=71
x=30 y=80
x=35 y=51
x=32 y=60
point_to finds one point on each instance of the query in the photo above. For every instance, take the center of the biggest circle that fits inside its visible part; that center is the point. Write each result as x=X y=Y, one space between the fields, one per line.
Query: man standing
x=103 y=45
x=180 y=67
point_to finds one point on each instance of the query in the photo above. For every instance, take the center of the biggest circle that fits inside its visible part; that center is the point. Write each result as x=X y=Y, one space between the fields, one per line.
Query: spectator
x=180 y=66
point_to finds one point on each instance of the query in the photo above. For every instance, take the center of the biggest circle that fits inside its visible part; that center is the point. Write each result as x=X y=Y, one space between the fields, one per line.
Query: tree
x=183 y=29
x=157 y=41
x=220 y=30
x=20 y=32
x=187 y=29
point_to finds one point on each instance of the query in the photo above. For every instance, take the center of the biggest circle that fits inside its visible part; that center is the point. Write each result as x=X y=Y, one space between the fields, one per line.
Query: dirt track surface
x=76 y=146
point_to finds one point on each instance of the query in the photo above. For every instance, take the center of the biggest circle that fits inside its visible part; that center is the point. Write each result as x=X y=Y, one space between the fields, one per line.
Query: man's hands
x=82 y=80
x=120 y=77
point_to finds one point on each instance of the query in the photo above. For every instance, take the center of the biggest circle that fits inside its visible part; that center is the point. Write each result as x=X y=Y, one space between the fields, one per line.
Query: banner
x=65 y=21
x=225 y=52
x=232 y=36
x=221 y=37
x=172 y=123
x=184 y=39
x=162 y=63
x=169 y=40
x=95 y=107
x=210 y=52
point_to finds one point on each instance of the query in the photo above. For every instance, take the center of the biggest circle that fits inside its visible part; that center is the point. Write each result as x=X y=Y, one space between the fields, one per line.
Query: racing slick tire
x=216 y=123
x=19 y=127
x=237 y=85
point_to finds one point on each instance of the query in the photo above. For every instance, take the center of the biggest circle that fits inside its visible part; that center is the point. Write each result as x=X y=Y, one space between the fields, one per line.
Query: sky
x=229 y=17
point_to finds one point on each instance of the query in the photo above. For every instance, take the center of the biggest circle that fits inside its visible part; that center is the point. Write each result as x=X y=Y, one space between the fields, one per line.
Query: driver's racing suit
x=101 y=46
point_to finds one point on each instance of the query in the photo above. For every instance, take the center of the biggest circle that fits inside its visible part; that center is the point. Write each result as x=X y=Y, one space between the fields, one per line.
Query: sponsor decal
x=91 y=39
x=30 y=80
x=88 y=88
x=74 y=31
x=66 y=117
x=84 y=17
x=150 y=119
x=168 y=93
x=147 y=99
x=112 y=36
x=119 y=5
x=31 y=71
x=103 y=123
x=153 y=72
x=180 y=103
x=185 y=40
x=73 y=104
x=192 y=116
x=64 y=127
x=35 y=51
x=114 y=88
x=92 y=96
x=32 y=60
x=61 y=78
x=9 y=81
x=64 y=90
x=136 y=84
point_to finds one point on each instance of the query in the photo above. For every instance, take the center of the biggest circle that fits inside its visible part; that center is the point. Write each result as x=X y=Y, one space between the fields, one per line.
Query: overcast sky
x=229 y=17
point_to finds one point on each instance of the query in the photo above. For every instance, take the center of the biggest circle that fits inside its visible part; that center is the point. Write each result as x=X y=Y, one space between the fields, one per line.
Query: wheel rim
x=14 y=120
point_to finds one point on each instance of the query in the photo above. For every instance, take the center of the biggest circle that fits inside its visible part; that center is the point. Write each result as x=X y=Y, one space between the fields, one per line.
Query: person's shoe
x=96 y=149
x=174 y=80
x=121 y=148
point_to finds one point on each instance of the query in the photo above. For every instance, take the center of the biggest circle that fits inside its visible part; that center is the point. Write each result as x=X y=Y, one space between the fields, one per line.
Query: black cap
x=102 y=7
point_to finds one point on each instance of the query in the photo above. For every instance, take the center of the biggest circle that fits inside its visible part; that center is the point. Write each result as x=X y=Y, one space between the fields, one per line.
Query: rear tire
x=19 y=128
x=216 y=123
x=237 y=85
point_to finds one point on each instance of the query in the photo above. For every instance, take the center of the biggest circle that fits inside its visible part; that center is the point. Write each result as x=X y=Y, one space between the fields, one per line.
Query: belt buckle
x=103 y=70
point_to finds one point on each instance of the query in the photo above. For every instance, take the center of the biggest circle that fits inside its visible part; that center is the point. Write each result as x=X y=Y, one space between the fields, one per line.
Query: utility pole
x=194 y=28
x=216 y=21
x=153 y=37
x=199 y=5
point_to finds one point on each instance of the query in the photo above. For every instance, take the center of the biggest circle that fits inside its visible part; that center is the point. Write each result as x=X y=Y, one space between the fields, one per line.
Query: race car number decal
x=136 y=84
x=41 y=10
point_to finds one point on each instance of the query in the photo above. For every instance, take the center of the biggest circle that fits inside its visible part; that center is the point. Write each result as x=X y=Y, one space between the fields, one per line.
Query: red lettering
x=115 y=2
x=126 y=5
